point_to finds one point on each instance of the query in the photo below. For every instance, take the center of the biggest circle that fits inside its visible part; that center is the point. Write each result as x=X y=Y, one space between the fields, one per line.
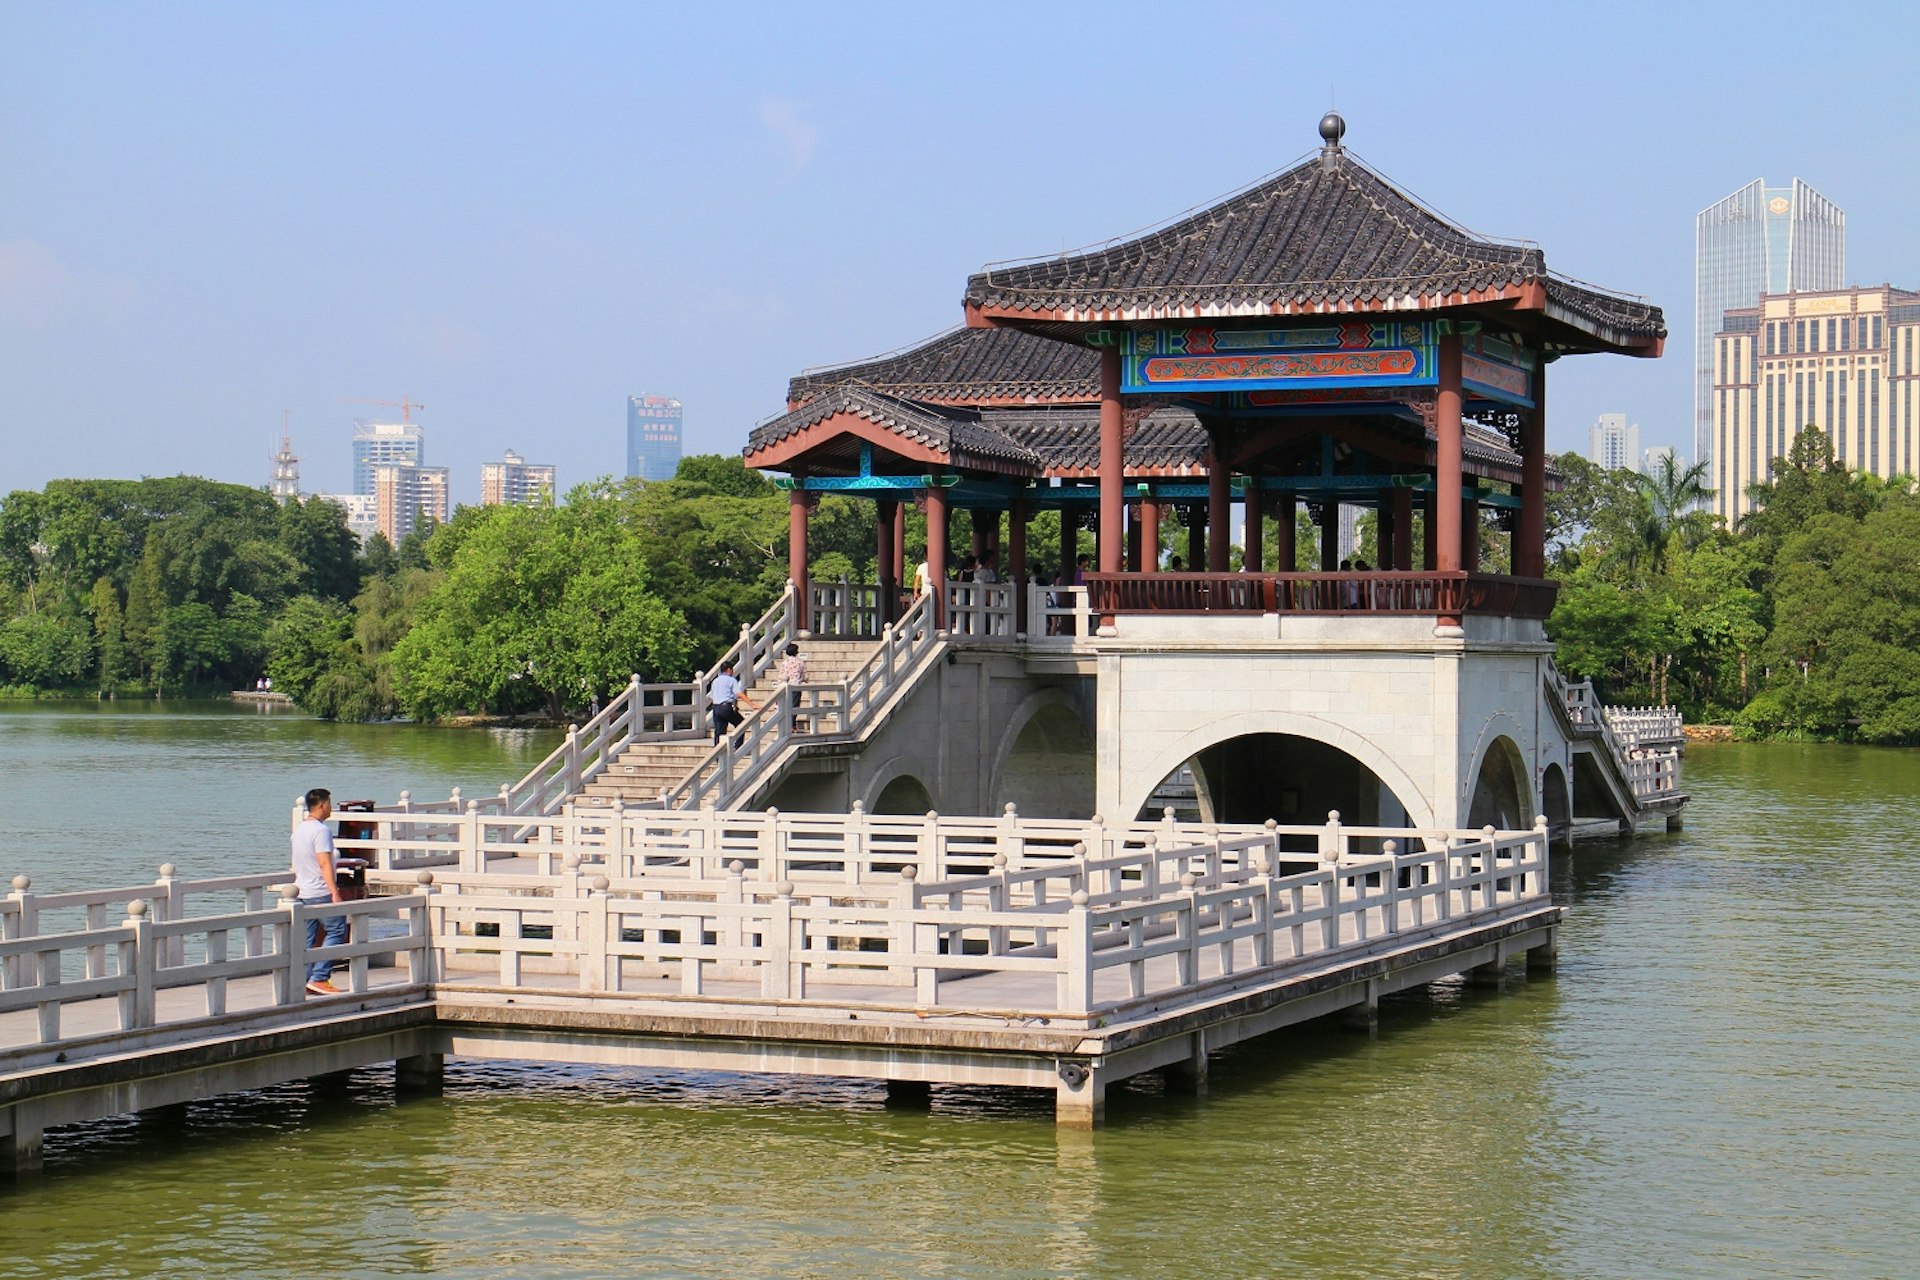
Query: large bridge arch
x=1139 y=778
x=1044 y=762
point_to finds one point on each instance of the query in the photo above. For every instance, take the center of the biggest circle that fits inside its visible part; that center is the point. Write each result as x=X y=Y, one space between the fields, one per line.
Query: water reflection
x=1719 y=1083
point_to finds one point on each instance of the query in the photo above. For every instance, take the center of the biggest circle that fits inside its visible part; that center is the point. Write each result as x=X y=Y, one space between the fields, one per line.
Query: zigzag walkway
x=1020 y=959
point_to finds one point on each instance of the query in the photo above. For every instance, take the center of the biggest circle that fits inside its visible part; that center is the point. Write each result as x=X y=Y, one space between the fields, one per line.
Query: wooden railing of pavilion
x=1452 y=593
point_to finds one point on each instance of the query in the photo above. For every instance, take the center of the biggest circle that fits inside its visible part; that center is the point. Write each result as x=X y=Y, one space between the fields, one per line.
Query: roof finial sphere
x=1332 y=128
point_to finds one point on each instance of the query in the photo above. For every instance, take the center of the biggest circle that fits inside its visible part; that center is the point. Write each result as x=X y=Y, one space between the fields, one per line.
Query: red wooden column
x=885 y=561
x=937 y=552
x=1149 y=534
x=1254 y=520
x=1330 y=536
x=899 y=549
x=1069 y=543
x=1403 y=521
x=1133 y=538
x=1429 y=558
x=1470 y=533
x=1386 y=532
x=1446 y=456
x=1113 y=534
x=1530 y=535
x=1219 y=512
x=1286 y=555
x=1016 y=566
x=797 y=551
x=1196 y=539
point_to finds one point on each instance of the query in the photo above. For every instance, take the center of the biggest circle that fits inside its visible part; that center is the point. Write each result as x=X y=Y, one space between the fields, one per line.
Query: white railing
x=1637 y=725
x=843 y=712
x=1210 y=913
x=1178 y=912
x=844 y=610
x=151 y=951
x=981 y=610
x=1057 y=615
x=660 y=712
x=1652 y=773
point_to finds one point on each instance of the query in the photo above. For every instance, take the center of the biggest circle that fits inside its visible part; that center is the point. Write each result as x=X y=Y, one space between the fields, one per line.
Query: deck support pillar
x=1545 y=957
x=1364 y=1016
x=1493 y=972
x=909 y=1095
x=423 y=1075
x=1189 y=1076
x=1080 y=1098
x=20 y=1151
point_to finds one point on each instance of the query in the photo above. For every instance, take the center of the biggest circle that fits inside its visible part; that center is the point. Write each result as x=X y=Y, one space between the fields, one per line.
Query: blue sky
x=518 y=214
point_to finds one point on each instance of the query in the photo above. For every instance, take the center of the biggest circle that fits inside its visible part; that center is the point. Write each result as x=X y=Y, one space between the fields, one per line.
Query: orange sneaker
x=324 y=988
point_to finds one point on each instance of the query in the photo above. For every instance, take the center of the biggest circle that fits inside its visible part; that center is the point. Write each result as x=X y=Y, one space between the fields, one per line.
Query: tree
x=109 y=631
x=538 y=606
x=44 y=650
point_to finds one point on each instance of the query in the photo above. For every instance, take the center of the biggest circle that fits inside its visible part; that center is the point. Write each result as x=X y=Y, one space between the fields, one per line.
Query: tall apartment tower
x=1760 y=239
x=286 y=471
x=384 y=444
x=653 y=437
x=516 y=481
x=1614 y=443
x=407 y=498
x=1843 y=360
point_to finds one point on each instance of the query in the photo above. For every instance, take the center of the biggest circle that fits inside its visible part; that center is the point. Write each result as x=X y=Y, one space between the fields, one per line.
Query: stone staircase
x=645 y=768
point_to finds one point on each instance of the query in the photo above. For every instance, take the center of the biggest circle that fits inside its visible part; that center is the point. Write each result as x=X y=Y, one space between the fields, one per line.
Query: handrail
x=660 y=712
x=737 y=760
x=1450 y=592
x=1651 y=774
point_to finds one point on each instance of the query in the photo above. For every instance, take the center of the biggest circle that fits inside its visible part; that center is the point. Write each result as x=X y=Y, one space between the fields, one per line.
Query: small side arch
x=1501 y=795
x=895 y=788
x=1556 y=802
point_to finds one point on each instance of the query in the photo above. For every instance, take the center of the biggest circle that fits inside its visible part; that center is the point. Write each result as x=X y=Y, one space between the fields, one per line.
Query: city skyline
x=248 y=262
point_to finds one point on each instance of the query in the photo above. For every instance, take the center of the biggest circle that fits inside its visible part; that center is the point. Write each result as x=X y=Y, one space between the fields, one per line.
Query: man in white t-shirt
x=313 y=877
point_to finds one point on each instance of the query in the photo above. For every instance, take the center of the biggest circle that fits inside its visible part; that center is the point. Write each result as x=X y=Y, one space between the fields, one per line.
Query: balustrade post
x=169 y=903
x=406 y=802
x=593 y=952
x=473 y=858
x=1332 y=841
x=734 y=893
x=1009 y=840
x=1188 y=957
x=932 y=852
x=1076 y=955
x=290 y=936
x=776 y=969
x=1392 y=886
x=915 y=941
x=22 y=922
x=420 y=960
x=1262 y=881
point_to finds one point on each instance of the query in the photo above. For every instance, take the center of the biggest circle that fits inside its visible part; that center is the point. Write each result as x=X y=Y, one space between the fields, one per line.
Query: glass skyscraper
x=1759 y=240
x=653 y=437
x=384 y=444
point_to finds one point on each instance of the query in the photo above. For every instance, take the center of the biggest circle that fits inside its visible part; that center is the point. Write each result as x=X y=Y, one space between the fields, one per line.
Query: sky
x=218 y=217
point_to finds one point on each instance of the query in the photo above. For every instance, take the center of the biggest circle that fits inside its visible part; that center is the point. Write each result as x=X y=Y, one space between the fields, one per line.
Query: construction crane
x=405 y=404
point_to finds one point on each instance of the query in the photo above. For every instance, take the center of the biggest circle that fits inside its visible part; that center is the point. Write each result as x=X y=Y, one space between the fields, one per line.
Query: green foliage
x=44 y=650
x=538 y=606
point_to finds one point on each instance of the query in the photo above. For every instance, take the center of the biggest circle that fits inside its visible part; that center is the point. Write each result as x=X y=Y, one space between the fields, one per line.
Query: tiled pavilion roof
x=1328 y=235
x=969 y=366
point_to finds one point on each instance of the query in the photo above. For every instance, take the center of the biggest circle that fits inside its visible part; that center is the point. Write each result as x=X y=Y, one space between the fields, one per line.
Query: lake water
x=1722 y=1081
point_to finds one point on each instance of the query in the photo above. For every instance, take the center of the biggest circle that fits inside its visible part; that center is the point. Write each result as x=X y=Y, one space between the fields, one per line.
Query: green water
x=1722 y=1081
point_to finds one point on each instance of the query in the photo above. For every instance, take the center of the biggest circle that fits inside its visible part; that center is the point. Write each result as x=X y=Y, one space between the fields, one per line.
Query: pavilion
x=1320 y=337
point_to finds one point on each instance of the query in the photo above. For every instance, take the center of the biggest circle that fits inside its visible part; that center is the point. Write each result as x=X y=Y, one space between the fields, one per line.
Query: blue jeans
x=328 y=931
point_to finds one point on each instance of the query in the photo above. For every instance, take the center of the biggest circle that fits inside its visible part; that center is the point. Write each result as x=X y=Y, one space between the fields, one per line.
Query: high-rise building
x=1842 y=360
x=516 y=481
x=653 y=437
x=382 y=444
x=286 y=471
x=1651 y=459
x=362 y=517
x=407 y=498
x=1614 y=443
x=1758 y=240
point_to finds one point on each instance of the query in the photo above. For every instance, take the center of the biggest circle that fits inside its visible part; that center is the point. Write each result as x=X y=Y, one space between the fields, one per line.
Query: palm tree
x=1672 y=494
